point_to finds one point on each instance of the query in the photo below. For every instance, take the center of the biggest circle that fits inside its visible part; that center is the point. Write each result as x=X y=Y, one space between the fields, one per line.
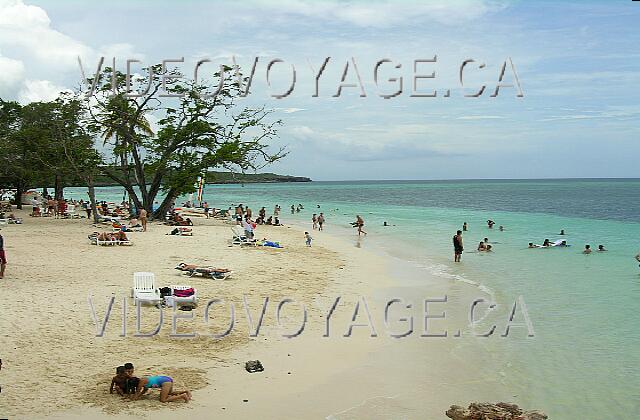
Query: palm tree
x=122 y=123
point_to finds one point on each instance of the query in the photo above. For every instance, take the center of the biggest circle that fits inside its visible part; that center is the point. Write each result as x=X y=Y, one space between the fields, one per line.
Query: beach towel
x=184 y=293
x=272 y=244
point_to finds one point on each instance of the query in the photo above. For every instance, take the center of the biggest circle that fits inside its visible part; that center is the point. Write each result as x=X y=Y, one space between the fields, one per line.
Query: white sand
x=55 y=366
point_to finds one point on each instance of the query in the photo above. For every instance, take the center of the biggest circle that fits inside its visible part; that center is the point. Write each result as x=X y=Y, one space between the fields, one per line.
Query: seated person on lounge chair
x=120 y=236
x=117 y=237
x=183 y=222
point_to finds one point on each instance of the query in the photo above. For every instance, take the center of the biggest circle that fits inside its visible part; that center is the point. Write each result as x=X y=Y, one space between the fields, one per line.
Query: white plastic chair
x=144 y=288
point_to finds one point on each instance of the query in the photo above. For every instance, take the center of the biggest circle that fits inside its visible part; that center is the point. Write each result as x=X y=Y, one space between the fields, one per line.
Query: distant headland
x=220 y=177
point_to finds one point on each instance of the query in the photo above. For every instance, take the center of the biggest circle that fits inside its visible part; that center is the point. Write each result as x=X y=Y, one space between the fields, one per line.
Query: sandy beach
x=56 y=366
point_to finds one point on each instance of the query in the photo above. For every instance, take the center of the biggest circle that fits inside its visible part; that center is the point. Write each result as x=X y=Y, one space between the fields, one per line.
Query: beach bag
x=165 y=291
x=253 y=366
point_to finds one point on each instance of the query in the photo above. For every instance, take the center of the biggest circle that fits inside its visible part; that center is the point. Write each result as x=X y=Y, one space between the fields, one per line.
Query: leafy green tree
x=75 y=143
x=200 y=127
x=19 y=167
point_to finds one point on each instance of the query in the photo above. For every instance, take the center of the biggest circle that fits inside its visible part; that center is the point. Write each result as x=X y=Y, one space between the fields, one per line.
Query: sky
x=578 y=65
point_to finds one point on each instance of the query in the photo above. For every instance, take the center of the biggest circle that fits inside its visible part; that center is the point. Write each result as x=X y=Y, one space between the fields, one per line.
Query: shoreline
x=353 y=272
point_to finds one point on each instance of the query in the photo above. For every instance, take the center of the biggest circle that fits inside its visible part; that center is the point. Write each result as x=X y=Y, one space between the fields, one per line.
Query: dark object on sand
x=497 y=411
x=253 y=366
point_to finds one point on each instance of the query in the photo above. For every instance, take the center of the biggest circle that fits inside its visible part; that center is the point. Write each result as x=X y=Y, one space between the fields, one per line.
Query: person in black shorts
x=457 y=246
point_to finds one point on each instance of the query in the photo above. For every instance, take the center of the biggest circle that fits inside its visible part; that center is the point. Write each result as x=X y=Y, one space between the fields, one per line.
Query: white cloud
x=388 y=13
x=290 y=110
x=11 y=75
x=37 y=59
x=480 y=117
x=39 y=91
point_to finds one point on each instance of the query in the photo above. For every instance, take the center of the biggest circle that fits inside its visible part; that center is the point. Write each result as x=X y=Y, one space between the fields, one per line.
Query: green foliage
x=199 y=128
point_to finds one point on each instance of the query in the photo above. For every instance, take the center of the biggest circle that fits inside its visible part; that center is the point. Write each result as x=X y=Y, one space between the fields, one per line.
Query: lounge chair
x=144 y=289
x=214 y=273
x=239 y=238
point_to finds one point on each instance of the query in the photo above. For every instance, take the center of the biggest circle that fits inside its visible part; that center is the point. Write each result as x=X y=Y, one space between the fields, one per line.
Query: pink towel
x=184 y=293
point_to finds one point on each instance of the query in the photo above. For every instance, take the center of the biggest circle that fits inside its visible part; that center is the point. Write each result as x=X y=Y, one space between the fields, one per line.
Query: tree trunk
x=160 y=213
x=92 y=199
x=18 y=198
x=45 y=192
x=58 y=188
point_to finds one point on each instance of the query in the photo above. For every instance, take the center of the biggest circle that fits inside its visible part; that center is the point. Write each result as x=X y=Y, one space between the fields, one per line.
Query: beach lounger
x=95 y=241
x=182 y=300
x=144 y=289
x=212 y=272
x=128 y=229
x=239 y=238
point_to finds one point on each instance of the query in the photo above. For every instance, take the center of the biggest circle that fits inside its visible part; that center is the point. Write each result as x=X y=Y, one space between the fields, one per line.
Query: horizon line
x=482 y=179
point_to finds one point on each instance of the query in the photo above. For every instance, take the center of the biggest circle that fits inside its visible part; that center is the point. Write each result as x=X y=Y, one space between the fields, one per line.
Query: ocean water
x=583 y=361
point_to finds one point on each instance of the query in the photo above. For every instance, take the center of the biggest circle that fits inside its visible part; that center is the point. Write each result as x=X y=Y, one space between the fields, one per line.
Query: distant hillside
x=215 y=177
x=229 y=178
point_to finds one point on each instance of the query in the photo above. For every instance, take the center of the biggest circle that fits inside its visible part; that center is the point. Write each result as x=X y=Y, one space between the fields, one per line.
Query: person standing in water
x=457 y=246
x=314 y=221
x=464 y=227
x=320 y=221
x=360 y=225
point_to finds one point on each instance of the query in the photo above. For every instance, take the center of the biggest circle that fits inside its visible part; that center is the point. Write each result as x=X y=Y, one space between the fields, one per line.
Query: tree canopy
x=152 y=144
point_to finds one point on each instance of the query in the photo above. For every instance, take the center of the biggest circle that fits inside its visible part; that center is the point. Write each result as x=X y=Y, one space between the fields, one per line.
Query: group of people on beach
x=125 y=384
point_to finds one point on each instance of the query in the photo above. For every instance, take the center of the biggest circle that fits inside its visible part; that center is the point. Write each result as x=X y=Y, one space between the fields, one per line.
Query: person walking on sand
x=308 y=238
x=314 y=221
x=3 y=257
x=143 y=219
x=205 y=207
x=320 y=221
x=457 y=246
x=360 y=225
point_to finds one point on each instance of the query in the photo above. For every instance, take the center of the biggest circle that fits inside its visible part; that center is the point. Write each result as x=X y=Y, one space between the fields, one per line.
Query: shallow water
x=582 y=362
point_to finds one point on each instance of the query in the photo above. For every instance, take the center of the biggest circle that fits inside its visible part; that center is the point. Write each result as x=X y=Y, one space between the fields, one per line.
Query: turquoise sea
x=583 y=361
